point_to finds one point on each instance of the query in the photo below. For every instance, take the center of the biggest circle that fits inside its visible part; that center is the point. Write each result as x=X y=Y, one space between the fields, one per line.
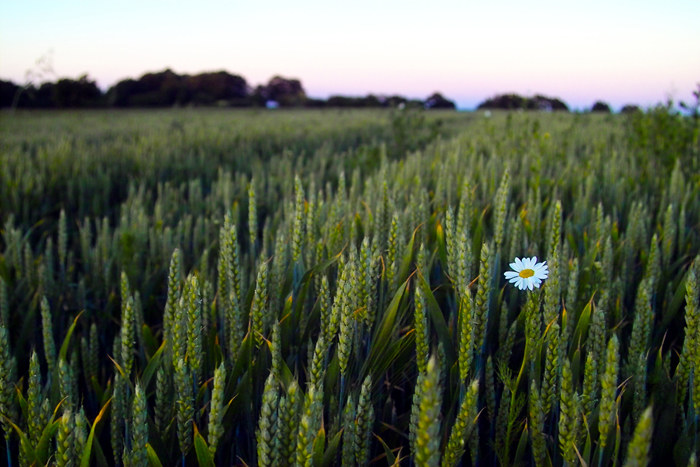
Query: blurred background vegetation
x=168 y=89
x=223 y=89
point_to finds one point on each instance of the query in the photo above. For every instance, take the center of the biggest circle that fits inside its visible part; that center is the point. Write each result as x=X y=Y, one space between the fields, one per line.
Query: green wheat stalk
x=463 y=428
x=298 y=230
x=420 y=318
x=568 y=415
x=287 y=419
x=4 y=303
x=347 y=453
x=267 y=422
x=427 y=440
x=481 y=301
x=344 y=308
x=608 y=383
x=466 y=318
x=309 y=424
x=640 y=445
x=7 y=382
x=252 y=217
x=216 y=409
x=171 y=304
x=193 y=299
x=537 y=429
x=65 y=441
x=139 y=429
x=500 y=206
x=363 y=423
x=47 y=334
x=550 y=380
x=258 y=307
x=184 y=406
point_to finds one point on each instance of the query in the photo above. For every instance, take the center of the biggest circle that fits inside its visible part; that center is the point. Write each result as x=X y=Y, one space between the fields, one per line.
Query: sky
x=641 y=52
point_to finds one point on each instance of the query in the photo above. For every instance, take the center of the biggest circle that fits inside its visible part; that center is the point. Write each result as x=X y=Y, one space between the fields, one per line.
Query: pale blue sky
x=619 y=51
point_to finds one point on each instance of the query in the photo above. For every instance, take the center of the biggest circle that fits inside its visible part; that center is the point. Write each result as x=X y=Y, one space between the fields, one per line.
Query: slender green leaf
x=204 y=458
x=437 y=318
x=87 y=451
x=66 y=340
x=152 y=366
x=153 y=459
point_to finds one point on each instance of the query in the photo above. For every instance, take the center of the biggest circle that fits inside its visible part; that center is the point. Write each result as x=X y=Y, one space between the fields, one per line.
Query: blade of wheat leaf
x=85 y=457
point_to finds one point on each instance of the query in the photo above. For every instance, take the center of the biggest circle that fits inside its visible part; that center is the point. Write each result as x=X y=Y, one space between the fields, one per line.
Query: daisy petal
x=540 y=272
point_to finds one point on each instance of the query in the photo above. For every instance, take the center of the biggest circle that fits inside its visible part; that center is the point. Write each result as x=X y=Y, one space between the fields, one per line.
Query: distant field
x=80 y=158
x=217 y=287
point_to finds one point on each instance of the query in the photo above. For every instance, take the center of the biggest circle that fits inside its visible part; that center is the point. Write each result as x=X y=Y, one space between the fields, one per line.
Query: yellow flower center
x=525 y=273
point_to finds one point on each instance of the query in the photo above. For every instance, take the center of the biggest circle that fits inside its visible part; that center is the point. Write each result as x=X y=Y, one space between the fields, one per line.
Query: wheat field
x=212 y=287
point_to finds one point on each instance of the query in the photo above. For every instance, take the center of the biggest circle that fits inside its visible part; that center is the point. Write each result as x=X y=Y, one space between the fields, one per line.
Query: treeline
x=540 y=102
x=169 y=89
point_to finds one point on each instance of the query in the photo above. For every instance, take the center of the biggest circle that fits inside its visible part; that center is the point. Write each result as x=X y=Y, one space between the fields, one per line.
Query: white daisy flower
x=527 y=273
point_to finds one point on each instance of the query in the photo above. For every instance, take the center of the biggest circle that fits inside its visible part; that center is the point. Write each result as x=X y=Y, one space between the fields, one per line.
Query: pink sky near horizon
x=621 y=52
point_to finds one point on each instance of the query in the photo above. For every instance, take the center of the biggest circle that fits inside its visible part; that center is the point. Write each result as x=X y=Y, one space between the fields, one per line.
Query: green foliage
x=139 y=429
x=267 y=422
x=7 y=381
x=638 y=449
x=184 y=406
x=463 y=428
x=665 y=134
x=217 y=408
x=427 y=444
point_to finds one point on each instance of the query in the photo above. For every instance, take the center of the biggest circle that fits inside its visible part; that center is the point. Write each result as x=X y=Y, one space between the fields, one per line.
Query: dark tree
x=219 y=88
x=286 y=92
x=548 y=104
x=515 y=101
x=68 y=93
x=259 y=95
x=343 y=101
x=630 y=108
x=505 y=102
x=65 y=93
x=600 y=106
x=45 y=96
x=372 y=101
x=558 y=104
x=311 y=103
x=395 y=101
x=120 y=94
x=162 y=89
x=438 y=101
x=28 y=96
x=8 y=90
x=353 y=102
